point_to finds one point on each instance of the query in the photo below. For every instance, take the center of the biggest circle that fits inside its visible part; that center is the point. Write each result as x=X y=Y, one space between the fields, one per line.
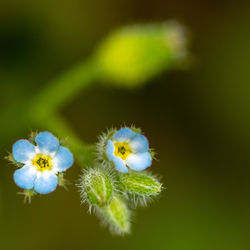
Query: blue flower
x=42 y=162
x=129 y=149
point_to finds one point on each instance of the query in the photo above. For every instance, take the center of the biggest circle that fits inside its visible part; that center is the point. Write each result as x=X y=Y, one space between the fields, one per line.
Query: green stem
x=63 y=89
x=45 y=105
x=40 y=112
x=49 y=99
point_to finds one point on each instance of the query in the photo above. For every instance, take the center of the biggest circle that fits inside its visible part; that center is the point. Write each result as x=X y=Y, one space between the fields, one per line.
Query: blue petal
x=110 y=150
x=124 y=134
x=120 y=165
x=139 y=161
x=139 y=143
x=46 y=183
x=47 y=142
x=25 y=177
x=23 y=150
x=63 y=159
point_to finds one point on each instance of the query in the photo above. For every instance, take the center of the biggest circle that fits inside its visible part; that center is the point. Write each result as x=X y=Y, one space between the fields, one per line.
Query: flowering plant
x=115 y=178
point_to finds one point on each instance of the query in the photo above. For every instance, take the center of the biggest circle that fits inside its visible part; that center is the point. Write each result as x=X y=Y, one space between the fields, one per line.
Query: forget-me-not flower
x=42 y=162
x=129 y=149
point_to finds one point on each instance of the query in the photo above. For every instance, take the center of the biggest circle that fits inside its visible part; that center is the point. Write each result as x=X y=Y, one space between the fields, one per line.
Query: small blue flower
x=129 y=149
x=42 y=162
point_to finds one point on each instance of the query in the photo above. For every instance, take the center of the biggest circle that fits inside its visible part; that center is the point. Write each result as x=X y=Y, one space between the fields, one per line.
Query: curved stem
x=63 y=89
x=49 y=100
x=40 y=112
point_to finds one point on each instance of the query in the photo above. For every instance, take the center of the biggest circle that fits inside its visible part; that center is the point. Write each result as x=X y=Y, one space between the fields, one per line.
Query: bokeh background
x=198 y=120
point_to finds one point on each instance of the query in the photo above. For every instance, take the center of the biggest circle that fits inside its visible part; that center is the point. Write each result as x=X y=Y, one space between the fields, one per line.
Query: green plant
x=128 y=58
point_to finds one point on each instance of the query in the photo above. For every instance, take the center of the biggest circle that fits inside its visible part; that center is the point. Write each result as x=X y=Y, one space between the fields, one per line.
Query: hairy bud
x=116 y=215
x=141 y=185
x=96 y=187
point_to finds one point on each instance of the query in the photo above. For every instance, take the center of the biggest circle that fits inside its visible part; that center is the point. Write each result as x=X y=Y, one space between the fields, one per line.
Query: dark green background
x=198 y=121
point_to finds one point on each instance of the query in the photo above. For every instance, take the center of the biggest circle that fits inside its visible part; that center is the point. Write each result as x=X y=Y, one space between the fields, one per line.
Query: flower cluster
x=119 y=180
x=116 y=182
x=41 y=164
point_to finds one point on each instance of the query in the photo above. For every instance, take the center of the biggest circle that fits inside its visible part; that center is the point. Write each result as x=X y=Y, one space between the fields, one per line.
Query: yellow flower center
x=42 y=162
x=122 y=150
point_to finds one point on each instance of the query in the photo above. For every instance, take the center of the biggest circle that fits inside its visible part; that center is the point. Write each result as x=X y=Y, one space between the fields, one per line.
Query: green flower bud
x=116 y=215
x=141 y=185
x=96 y=187
x=134 y=54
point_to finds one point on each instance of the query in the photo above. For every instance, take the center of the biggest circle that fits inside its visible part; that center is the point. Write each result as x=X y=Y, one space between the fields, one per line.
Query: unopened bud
x=134 y=54
x=96 y=187
x=140 y=183
x=116 y=215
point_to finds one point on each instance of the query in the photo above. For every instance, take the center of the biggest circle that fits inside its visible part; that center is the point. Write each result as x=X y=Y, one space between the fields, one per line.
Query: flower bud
x=141 y=184
x=134 y=54
x=116 y=215
x=96 y=187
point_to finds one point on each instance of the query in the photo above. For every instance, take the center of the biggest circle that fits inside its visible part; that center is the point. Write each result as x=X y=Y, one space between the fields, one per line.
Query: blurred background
x=198 y=121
